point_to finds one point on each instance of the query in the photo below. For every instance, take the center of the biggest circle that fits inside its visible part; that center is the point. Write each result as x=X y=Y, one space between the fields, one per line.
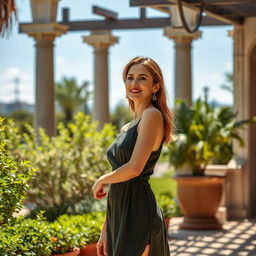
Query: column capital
x=44 y=32
x=100 y=40
x=180 y=34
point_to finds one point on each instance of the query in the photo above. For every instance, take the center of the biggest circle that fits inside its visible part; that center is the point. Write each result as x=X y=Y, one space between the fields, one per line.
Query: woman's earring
x=154 y=97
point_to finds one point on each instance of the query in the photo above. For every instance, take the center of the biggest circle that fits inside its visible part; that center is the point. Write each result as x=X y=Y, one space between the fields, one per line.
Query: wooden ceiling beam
x=220 y=2
x=156 y=3
x=209 y=12
x=162 y=9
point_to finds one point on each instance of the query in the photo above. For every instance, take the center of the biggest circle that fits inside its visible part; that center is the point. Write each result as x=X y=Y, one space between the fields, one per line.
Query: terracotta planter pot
x=167 y=221
x=199 y=199
x=74 y=253
x=89 y=250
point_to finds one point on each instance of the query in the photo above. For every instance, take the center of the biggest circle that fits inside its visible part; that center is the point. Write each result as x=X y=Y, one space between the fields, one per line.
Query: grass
x=164 y=184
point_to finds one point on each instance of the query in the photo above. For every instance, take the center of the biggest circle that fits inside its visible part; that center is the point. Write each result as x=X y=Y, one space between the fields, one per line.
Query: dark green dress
x=133 y=217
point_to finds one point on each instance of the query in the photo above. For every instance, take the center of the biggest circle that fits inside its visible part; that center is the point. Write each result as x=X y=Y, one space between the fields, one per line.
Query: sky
x=212 y=54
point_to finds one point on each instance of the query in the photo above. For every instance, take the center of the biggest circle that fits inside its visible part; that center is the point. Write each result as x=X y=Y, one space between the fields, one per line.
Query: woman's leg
x=145 y=253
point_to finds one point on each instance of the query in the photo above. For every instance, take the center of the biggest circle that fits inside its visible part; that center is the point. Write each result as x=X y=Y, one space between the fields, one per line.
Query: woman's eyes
x=142 y=78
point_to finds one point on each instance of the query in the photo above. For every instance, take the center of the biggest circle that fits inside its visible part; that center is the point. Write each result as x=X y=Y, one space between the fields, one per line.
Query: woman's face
x=139 y=83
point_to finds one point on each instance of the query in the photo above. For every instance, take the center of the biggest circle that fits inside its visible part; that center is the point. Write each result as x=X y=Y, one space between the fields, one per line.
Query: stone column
x=238 y=186
x=44 y=35
x=183 y=67
x=101 y=41
x=239 y=82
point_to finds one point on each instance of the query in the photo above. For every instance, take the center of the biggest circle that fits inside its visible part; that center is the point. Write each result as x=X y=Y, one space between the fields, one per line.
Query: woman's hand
x=98 y=189
x=102 y=244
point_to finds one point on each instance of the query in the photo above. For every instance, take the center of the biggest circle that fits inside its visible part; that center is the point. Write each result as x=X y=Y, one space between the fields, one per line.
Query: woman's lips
x=135 y=90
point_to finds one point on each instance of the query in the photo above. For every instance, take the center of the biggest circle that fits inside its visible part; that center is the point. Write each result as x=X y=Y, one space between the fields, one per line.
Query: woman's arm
x=104 y=226
x=150 y=127
x=102 y=243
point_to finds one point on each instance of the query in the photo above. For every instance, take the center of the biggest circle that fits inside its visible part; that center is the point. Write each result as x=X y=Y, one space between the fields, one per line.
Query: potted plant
x=94 y=222
x=77 y=231
x=168 y=206
x=65 y=238
x=204 y=134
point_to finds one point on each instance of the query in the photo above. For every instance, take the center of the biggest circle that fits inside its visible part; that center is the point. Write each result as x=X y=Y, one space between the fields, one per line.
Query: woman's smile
x=135 y=90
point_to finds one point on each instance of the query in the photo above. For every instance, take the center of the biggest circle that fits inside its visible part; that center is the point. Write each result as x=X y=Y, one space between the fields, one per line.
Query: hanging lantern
x=182 y=16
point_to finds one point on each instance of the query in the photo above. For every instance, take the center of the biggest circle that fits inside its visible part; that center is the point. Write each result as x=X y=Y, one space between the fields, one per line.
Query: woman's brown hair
x=160 y=103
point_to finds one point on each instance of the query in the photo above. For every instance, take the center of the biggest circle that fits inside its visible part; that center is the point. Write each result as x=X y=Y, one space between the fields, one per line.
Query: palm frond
x=8 y=12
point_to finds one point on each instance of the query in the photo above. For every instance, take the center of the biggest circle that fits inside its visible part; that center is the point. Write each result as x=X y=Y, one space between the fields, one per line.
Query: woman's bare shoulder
x=152 y=114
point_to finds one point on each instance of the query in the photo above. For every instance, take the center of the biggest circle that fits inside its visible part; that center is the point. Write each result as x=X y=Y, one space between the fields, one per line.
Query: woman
x=134 y=223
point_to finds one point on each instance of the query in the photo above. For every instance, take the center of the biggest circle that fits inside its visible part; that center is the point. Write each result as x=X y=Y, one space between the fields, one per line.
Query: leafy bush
x=168 y=205
x=26 y=238
x=72 y=231
x=68 y=164
x=21 y=117
x=94 y=222
x=14 y=178
x=36 y=237
x=65 y=237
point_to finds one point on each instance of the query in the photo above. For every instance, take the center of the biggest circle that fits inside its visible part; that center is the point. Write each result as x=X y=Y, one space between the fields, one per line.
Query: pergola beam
x=149 y=3
x=126 y=24
x=118 y=24
x=108 y=14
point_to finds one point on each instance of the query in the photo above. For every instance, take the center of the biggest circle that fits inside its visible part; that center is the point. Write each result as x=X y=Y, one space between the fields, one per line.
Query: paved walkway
x=238 y=238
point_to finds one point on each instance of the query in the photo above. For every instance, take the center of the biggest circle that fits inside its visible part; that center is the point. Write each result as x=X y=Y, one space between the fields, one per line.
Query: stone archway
x=252 y=129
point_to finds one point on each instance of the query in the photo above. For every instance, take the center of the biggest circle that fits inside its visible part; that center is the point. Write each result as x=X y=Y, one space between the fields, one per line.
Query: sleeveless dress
x=133 y=217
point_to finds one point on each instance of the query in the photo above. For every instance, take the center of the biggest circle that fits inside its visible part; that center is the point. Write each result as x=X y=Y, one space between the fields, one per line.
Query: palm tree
x=230 y=81
x=8 y=11
x=70 y=97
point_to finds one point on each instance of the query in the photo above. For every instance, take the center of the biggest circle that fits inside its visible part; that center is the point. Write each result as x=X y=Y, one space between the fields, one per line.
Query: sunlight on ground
x=238 y=238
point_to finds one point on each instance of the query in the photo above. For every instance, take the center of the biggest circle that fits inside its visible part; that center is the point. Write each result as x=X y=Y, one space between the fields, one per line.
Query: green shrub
x=168 y=205
x=36 y=237
x=72 y=231
x=94 y=222
x=26 y=238
x=14 y=178
x=65 y=237
x=68 y=164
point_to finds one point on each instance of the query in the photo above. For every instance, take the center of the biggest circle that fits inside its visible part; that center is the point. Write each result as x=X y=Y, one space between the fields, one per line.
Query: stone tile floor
x=238 y=238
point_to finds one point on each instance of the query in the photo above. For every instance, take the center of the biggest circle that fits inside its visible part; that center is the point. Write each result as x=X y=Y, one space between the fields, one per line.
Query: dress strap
x=138 y=121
